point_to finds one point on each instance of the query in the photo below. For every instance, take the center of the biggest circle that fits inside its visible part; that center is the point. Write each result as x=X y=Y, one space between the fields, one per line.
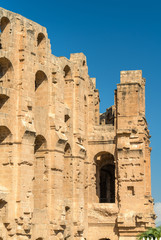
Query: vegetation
x=151 y=233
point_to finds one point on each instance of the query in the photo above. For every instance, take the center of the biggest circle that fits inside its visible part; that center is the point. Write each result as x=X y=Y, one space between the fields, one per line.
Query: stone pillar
x=132 y=159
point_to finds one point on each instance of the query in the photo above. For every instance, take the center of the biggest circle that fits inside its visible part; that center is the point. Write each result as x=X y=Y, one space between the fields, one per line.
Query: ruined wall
x=66 y=171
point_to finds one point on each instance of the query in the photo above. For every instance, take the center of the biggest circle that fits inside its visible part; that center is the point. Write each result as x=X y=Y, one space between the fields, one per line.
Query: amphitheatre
x=67 y=171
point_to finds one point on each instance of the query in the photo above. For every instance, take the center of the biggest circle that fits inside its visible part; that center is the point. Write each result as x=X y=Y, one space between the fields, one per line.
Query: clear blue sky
x=115 y=35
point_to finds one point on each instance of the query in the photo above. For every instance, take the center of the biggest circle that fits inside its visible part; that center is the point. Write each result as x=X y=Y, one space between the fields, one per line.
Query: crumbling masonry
x=67 y=171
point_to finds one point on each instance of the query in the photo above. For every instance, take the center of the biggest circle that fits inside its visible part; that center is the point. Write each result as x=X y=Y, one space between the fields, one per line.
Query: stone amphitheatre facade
x=67 y=171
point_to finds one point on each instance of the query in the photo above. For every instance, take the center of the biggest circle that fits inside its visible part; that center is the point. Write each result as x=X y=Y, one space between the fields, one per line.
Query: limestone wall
x=66 y=173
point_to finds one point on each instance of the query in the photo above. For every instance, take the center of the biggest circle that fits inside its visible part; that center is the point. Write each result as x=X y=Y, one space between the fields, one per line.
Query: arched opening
x=40 y=173
x=39 y=79
x=67 y=150
x=5 y=32
x=67 y=121
x=68 y=87
x=40 y=143
x=40 y=39
x=40 y=89
x=6 y=73
x=5 y=135
x=107 y=183
x=3 y=99
x=4 y=23
x=68 y=186
x=67 y=174
x=105 y=177
x=41 y=47
x=67 y=73
x=39 y=238
x=6 y=144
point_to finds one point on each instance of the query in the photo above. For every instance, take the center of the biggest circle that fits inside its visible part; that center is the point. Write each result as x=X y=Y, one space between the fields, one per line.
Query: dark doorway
x=107 y=184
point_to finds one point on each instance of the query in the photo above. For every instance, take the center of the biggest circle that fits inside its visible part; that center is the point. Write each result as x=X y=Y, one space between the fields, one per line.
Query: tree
x=151 y=232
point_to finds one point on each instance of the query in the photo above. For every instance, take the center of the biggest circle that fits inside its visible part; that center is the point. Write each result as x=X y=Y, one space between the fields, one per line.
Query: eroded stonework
x=67 y=171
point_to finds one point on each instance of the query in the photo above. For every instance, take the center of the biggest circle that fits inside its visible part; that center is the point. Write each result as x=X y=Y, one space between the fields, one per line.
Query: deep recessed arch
x=40 y=143
x=40 y=77
x=41 y=47
x=5 y=66
x=67 y=150
x=4 y=23
x=5 y=32
x=40 y=39
x=67 y=72
x=6 y=73
x=67 y=172
x=68 y=86
x=3 y=99
x=105 y=177
x=5 y=134
x=40 y=173
x=41 y=89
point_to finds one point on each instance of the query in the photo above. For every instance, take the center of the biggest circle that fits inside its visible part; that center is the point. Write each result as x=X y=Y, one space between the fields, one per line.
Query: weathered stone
x=67 y=171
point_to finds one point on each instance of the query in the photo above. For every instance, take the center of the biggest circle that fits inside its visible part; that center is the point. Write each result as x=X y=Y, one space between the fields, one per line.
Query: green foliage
x=151 y=232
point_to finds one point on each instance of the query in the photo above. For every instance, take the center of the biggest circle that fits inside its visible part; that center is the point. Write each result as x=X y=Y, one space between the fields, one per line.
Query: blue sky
x=114 y=35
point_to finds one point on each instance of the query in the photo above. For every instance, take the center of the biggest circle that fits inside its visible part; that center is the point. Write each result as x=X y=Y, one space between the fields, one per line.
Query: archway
x=40 y=89
x=6 y=73
x=105 y=177
x=68 y=87
x=67 y=173
x=40 y=173
x=41 y=47
x=6 y=145
x=5 y=32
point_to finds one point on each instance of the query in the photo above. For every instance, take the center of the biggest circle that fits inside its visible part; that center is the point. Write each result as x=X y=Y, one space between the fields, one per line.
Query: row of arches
x=105 y=166
x=6 y=70
x=5 y=30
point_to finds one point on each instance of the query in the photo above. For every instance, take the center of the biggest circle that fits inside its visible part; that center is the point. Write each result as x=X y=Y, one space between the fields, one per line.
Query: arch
x=6 y=159
x=5 y=134
x=67 y=172
x=40 y=77
x=105 y=177
x=3 y=99
x=40 y=143
x=4 y=23
x=6 y=73
x=41 y=89
x=39 y=238
x=40 y=39
x=67 y=150
x=68 y=87
x=67 y=72
x=5 y=66
x=40 y=173
x=41 y=47
x=67 y=120
x=5 y=31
